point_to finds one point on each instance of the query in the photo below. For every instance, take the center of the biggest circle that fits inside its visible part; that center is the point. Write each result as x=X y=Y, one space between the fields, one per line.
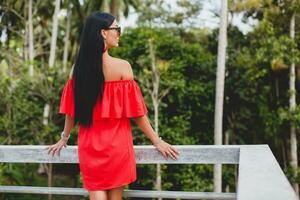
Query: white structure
x=260 y=176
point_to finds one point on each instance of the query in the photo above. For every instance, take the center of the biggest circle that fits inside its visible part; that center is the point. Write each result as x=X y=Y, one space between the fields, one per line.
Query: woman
x=102 y=96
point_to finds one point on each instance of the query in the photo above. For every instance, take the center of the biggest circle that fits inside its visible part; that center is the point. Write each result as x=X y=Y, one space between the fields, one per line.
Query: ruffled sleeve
x=120 y=99
x=67 y=99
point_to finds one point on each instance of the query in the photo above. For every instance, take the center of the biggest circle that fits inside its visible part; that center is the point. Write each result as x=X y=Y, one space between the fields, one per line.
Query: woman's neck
x=106 y=55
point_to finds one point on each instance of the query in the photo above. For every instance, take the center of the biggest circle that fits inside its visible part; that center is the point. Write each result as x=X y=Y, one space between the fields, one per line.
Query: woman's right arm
x=55 y=148
x=166 y=149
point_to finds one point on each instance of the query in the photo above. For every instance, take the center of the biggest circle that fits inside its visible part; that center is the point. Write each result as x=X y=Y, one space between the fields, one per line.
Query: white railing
x=260 y=176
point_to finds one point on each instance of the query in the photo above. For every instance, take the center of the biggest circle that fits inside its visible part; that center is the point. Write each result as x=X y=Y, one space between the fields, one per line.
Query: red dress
x=105 y=150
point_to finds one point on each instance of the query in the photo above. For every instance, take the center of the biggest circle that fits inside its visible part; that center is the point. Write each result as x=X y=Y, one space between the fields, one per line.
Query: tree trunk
x=155 y=100
x=25 y=44
x=105 y=6
x=47 y=167
x=49 y=173
x=292 y=102
x=114 y=8
x=66 y=39
x=158 y=166
x=51 y=64
x=226 y=142
x=54 y=34
x=30 y=35
x=220 y=92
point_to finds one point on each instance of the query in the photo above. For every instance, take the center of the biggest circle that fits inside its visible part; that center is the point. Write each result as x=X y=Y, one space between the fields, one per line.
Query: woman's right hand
x=55 y=148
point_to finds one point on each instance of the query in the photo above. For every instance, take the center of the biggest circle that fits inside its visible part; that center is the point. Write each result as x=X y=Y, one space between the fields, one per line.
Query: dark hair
x=88 y=74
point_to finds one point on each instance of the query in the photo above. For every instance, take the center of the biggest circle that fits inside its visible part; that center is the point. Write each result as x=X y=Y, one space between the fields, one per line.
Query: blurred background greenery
x=33 y=72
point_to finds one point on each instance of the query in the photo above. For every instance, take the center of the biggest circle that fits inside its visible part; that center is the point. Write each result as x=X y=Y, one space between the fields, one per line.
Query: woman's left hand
x=166 y=149
x=56 y=148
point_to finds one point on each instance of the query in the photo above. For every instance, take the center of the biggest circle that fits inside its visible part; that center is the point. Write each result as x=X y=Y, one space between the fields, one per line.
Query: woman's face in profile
x=111 y=36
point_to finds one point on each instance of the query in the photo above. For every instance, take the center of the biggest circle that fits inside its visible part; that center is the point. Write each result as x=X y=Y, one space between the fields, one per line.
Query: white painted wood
x=145 y=154
x=127 y=193
x=43 y=190
x=260 y=176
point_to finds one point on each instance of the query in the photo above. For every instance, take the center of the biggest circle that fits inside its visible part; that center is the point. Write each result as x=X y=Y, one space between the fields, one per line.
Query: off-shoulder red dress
x=105 y=150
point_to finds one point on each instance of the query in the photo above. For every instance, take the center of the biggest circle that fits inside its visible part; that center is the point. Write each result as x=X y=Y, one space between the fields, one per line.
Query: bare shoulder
x=121 y=62
x=125 y=68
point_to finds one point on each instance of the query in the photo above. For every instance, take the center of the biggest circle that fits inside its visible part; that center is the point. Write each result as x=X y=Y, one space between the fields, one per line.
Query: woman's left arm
x=56 y=148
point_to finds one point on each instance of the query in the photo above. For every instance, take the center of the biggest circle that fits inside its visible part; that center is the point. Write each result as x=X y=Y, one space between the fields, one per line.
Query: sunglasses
x=118 y=29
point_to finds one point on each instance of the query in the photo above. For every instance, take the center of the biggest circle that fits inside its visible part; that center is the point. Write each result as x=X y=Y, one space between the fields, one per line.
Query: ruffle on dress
x=121 y=98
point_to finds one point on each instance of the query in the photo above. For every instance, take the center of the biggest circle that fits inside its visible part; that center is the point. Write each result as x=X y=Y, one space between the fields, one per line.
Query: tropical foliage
x=256 y=96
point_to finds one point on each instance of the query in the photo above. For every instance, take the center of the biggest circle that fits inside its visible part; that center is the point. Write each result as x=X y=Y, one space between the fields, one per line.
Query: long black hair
x=88 y=74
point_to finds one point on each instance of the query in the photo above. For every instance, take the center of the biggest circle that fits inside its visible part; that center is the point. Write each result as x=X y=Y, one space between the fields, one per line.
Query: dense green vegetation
x=256 y=103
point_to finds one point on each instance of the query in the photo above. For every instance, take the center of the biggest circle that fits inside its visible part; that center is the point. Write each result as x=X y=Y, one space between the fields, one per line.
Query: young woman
x=102 y=96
